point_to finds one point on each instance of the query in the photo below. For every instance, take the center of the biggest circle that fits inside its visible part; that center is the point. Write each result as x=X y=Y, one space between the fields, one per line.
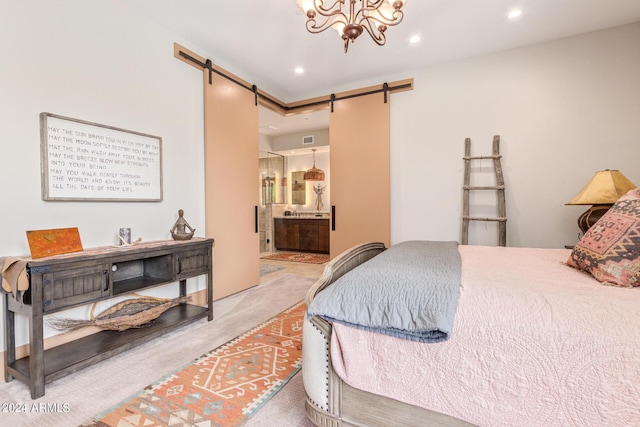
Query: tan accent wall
x=360 y=173
x=231 y=165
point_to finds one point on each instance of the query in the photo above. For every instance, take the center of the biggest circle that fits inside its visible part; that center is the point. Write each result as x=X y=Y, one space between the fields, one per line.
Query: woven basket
x=132 y=313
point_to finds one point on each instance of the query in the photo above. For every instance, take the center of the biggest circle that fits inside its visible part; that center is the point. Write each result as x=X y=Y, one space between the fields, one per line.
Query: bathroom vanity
x=304 y=234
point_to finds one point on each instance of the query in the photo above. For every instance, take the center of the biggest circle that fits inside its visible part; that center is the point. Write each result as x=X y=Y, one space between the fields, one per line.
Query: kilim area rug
x=224 y=387
x=298 y=257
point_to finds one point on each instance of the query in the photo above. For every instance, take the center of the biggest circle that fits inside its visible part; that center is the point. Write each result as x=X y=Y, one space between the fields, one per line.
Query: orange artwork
x=44 y=243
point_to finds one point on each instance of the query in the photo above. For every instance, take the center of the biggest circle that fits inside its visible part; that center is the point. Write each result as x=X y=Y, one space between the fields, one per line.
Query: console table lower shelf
x=68 y=358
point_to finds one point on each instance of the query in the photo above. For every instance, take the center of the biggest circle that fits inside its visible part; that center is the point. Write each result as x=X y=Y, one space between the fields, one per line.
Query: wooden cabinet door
x=287 y=234
x=75 y=286
x=323 y=236
x=279 y=234
x=191 y=263
x=293 y=235
x=231 y=195
x=308 y=235
x=360 y=183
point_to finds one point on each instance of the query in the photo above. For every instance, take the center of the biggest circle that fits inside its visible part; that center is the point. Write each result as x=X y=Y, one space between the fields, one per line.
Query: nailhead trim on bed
x=326 y=378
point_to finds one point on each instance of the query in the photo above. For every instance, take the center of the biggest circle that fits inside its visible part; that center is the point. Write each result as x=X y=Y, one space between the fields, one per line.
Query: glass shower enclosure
x=273 y=195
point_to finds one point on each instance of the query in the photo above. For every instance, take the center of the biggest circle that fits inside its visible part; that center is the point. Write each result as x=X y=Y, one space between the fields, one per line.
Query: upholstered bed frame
x=330 y=402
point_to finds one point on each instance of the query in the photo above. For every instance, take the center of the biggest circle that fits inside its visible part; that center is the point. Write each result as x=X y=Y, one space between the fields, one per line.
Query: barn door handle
x=333 y=218
x=255 y=212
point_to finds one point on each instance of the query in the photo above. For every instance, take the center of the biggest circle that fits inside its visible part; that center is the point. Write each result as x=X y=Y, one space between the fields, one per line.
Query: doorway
x=285 y=154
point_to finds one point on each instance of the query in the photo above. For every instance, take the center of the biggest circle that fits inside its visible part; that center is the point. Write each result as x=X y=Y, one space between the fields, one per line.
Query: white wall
x=264 y=145
x=563 y=109
x=95 y=62
x=293 y=141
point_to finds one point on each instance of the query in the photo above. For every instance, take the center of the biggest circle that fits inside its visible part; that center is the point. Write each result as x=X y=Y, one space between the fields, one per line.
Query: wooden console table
x=65 y=281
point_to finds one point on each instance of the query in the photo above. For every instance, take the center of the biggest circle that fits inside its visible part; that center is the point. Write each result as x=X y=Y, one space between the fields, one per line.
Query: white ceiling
x=271 y=123
x=264 y=41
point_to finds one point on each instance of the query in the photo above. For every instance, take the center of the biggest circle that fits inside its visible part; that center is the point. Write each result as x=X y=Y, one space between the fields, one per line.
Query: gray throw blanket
x=408 y=291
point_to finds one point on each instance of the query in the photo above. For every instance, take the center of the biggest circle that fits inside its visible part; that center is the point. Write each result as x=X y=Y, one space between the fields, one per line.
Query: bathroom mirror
x=298 y=188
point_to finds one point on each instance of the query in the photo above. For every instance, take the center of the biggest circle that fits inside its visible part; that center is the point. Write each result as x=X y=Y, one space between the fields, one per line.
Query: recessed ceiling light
x=514 y=14
x=414 y=39
x=299 y=70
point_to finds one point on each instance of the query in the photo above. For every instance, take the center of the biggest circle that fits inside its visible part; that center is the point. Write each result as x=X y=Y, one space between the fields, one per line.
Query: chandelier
x=351 y=17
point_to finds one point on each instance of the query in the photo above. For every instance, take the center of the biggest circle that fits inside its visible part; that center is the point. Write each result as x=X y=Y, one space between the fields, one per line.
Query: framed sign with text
x=86 y=161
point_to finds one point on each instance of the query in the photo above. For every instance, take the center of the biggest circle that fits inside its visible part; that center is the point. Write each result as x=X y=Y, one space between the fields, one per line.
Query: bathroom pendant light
x=314 y=174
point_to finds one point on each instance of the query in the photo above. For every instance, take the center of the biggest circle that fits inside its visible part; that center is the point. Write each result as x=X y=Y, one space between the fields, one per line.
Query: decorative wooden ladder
x=499 y=188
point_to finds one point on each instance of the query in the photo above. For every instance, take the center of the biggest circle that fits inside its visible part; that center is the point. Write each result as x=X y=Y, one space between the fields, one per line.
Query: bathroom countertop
x=302 y=217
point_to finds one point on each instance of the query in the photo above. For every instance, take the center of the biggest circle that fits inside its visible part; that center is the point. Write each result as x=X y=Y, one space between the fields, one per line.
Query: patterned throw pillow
x=610 y=249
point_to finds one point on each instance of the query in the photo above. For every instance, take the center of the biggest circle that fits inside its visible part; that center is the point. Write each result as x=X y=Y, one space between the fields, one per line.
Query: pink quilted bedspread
x=534 y=343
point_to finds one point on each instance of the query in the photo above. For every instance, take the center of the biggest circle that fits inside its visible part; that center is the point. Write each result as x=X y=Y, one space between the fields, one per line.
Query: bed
x=539 y=336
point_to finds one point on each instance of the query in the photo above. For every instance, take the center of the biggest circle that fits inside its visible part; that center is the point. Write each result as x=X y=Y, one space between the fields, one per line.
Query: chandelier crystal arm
x=335 y=7
x=377 y=6
x=328 y=22
x=376 y=33
x=382 y=15
x=332 y=15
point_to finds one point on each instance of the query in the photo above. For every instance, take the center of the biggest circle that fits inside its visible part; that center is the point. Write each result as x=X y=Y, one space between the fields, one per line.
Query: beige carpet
x=285 y=409
x=75 y=399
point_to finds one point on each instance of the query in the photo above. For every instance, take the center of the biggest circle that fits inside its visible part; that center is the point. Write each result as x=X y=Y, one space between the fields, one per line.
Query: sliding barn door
x=359 y=158
x=231 y=184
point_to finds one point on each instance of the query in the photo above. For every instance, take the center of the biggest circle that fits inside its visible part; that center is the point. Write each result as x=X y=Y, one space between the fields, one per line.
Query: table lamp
x=602 y=191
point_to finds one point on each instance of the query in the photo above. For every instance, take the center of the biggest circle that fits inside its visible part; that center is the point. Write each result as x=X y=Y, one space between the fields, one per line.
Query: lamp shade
x=314 y=174
x=604 y=188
